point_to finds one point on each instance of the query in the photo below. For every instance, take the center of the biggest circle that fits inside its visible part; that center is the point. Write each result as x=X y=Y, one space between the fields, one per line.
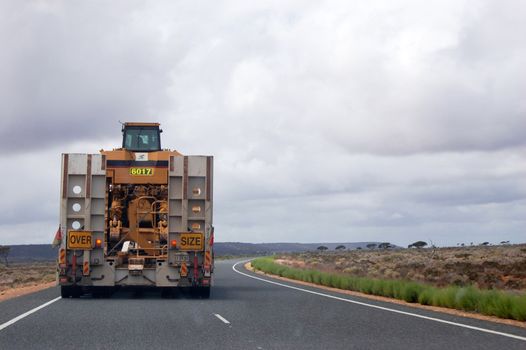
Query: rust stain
x=88 y=178
x=185 y=178
x=65 y=177
x=208 y=171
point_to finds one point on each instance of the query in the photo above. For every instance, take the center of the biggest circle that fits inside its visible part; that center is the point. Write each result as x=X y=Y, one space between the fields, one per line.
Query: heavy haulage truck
x=136 y=216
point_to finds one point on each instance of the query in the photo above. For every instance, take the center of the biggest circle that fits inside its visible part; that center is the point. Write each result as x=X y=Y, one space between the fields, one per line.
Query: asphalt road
x=244 y=312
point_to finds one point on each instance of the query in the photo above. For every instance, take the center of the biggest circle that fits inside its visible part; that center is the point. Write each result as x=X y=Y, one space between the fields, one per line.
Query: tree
x=371 y=245
x=340 y=247
x=358 y=248
x=484 y=243
x=384 y=245
x=505 y=242
x=321 y=248
x=418 y=244
x=4 y=253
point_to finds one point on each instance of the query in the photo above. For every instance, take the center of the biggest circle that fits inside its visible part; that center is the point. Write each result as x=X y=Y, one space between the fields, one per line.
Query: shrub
x=410 y=292
x=426 y=296
x=518 y=311
x=444 y=297
x=467 y=298
x=418 y=244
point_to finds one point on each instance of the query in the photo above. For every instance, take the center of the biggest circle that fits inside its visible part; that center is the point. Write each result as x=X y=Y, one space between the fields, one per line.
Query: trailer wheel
x=101 y=292
x=70 y=291
x=65 y=291
x=76 y=291
x=167 y=292
x=203 y=292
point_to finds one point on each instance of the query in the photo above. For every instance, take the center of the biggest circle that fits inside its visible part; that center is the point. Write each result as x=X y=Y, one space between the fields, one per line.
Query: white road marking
x=25 y=314
x=378 y=307
x=222 y=318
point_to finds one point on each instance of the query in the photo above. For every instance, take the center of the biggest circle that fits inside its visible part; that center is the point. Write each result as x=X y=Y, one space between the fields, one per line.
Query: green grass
x=487 y=302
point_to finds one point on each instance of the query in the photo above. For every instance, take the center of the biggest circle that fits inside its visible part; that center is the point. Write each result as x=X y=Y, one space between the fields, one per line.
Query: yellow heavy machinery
x=138 y=215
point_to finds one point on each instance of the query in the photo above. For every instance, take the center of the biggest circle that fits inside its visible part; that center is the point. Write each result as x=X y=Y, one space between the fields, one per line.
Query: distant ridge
x=239 y=248
x=44 y=252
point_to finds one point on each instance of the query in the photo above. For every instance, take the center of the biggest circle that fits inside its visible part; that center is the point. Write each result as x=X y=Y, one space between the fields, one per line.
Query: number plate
x=79 y=240
x=191 y=241
x=181 y=257
x=141 y=171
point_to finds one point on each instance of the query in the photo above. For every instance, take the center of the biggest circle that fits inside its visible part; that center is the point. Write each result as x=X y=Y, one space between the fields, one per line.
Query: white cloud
x=329 y=121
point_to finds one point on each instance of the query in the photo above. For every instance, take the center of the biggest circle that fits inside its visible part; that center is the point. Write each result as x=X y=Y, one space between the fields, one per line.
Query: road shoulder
x=453 y=312
x=19 y=291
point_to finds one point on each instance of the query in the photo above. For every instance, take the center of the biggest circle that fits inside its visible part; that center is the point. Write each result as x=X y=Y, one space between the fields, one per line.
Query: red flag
x=58 y=238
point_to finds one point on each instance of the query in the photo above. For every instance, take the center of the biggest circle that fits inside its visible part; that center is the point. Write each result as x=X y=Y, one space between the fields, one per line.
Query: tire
x=167 y=292
x=65 y=291
x=101 y=292
x=204 y=292
x=70 y=291
x=76 y=291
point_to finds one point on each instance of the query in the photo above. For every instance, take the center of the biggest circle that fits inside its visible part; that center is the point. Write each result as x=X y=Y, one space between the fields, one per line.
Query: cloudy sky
x=329 y=120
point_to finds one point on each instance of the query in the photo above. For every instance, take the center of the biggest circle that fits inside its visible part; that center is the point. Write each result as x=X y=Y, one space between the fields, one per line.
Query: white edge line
x=222 y=318
x=379 y=307
x=25 y=314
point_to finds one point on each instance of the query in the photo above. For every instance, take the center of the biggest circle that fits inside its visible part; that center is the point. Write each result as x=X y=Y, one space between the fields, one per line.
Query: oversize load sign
x=191 y=241
x=79 y=240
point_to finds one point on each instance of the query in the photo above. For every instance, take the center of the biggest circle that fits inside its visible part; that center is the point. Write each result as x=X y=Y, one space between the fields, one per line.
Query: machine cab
x=141 y=137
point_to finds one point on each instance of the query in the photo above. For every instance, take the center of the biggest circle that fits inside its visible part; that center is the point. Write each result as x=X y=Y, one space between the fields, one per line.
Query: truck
x=138 y=216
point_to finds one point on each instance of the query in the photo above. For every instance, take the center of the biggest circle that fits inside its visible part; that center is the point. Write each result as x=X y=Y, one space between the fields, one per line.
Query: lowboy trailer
x=138 y=215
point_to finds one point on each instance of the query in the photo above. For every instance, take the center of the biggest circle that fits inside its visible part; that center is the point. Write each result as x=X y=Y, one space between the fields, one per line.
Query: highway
x=245 y=311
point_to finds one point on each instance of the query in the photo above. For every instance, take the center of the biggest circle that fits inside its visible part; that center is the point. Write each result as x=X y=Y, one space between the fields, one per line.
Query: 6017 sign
x=141 y=171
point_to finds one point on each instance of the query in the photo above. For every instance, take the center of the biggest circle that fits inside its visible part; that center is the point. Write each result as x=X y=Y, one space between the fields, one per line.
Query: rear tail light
x=173 y=243
x=98 y=243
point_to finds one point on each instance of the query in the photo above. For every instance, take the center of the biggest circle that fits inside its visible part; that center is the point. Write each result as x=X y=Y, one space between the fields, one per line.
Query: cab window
x=141 y=139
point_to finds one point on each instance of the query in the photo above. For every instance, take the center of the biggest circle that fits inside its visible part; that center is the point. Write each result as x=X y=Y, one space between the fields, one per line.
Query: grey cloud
x=471 y=192
x=381 y=121
x=71 y=72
